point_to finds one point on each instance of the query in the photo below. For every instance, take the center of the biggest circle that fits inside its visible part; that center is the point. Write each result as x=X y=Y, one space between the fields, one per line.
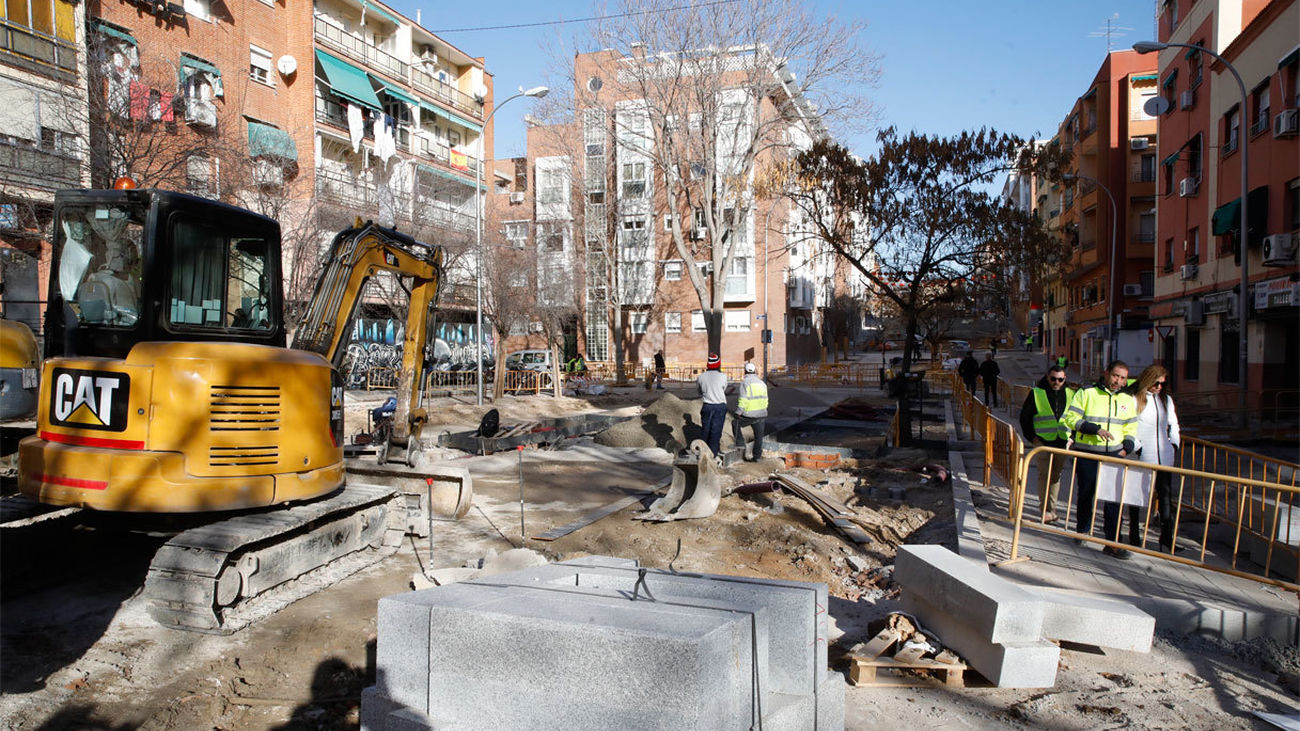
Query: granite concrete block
x=550 y=658
x=1095 y=620
x=375 y=707
x=409 y=720
x=1016 y=664
x=1001 y=611
x=604 y=561
x=822 y=710
x=797 y=615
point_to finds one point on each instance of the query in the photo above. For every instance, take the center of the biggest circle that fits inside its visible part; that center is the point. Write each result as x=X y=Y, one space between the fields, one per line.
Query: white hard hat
x=750 y=368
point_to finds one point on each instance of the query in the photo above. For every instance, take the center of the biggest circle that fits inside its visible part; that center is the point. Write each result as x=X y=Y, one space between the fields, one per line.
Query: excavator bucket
x=431 y=492
x=696 y=488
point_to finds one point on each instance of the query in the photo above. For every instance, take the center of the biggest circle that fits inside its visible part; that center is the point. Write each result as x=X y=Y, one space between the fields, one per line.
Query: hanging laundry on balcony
x=139 y=101
x=385 y=145
x=356 y=126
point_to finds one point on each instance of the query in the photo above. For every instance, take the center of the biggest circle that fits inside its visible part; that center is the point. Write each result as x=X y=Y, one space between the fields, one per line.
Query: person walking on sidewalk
x=1040 y=422
x=1158 y=440
x=969 y=370
x=1103 y=418
x=989 y=371
x=660 y=370
x=751 y=410
x=713 y=387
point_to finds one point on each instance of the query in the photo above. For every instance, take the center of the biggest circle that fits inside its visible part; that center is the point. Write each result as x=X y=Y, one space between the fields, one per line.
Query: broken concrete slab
x=998 y=609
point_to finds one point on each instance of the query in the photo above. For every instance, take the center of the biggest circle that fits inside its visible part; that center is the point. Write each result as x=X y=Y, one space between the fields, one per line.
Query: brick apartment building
x=1203 y=136
x=1107 y=284
x=42 y=82
x=595 y=199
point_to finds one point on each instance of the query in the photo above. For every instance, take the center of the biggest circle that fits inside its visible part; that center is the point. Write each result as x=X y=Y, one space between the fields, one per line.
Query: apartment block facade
x=1107 y=215
x=1204 y=134
x=608 y=193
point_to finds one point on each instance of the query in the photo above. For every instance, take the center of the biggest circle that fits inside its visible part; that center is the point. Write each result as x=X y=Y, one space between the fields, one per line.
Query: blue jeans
x=712 y=417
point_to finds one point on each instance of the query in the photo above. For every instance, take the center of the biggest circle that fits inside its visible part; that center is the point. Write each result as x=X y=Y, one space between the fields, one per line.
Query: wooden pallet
x=906 y=668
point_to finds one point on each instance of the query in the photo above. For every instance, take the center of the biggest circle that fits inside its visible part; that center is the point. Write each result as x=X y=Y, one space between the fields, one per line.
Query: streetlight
x=1244 y=233
x=536 y=92
x=1112 y=329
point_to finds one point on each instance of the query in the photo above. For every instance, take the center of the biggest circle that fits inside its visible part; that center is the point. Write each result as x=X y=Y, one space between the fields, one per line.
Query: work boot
x=1120 y=553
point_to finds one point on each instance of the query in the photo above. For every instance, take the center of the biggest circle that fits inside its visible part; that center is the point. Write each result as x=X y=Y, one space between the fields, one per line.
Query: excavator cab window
x=99 y=262
x=219 y=279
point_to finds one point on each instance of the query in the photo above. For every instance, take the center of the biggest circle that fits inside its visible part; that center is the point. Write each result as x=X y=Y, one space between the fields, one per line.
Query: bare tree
x=700 y=94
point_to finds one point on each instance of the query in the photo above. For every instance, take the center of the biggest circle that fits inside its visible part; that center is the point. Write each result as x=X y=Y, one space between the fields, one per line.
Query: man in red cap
x=713 y=414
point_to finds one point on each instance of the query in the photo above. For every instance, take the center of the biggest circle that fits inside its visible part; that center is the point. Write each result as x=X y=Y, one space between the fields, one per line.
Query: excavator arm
x=356 y=255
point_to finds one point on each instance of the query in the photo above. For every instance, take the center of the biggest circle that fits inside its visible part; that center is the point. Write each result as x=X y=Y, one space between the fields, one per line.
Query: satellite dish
x=594 y=84
x=287 y=65
x=1156 y=106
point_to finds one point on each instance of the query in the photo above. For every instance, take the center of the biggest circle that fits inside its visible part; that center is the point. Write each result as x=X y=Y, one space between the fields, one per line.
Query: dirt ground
x=78 y=651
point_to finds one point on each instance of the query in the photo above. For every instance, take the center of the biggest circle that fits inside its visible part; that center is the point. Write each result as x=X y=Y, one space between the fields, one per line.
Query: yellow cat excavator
x=167 y=388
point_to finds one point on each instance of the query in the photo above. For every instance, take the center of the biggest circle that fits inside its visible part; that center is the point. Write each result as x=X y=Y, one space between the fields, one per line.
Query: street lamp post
x=766 y=332
x=1243 y=300
x=537 y=92
x=1112 y=327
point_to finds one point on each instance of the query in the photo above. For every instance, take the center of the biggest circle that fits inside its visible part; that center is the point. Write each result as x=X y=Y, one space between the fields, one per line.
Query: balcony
x=370 y=55
x=1143 y=237
x=38 y=52
x=36 y=168
x=360 y=194
x=332 y=112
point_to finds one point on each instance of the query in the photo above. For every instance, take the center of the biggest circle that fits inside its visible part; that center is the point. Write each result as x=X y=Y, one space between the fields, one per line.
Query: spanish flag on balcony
x=459 y=160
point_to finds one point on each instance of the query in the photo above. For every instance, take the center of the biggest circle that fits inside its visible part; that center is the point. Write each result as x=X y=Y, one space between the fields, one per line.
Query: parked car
x=529 y=360
x=958 y=347
x=951 y=364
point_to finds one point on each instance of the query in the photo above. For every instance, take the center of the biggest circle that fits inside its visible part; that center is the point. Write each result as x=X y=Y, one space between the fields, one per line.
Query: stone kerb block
x=996 y=608
x=796 y=611
x=1013 y=664
x=1096 y=621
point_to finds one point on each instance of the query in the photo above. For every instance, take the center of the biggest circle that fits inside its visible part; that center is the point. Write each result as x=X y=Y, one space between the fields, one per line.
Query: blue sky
x=947 y=65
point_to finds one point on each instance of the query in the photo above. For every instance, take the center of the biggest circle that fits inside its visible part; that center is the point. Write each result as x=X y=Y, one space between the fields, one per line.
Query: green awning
x=450 y=176
x=1227 y=217
x=1171 y=159
x=267 y=141
x=198 y=64
x=348 y=81
x=1146 y=77
x=1169 y=80
x=395 y=91
x=1192 y=52
x=381 y=12
x=108 y=29
x=1290 y=58
x=191 y=65
x=439 y=111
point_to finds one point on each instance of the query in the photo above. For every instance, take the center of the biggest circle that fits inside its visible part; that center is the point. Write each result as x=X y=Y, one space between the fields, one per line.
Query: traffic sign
x=1166 y=331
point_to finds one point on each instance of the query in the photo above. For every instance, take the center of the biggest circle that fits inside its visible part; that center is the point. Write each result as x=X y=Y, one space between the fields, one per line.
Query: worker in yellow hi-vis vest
x=1040 y=422
x=751 y=410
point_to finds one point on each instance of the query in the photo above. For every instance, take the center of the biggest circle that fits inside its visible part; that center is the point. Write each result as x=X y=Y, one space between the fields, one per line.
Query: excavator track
x=221 y=577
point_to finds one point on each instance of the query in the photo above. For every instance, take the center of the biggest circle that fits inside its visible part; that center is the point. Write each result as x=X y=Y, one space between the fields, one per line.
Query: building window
x=1146 y=232
x=697 y=321
x=1229 y=356
x=1194 y=245
x=201 y=177
x=259 y=65
x=1195 y=69
x=1259 y=109
x=639 y=321
x=1192 y=356
x=1147 y=169
x=516 y=232
x=200 y=9
x=1169 y=255
x=550 y=237
x=736 y=321
x=1292 y=204
x=1231 y=130
x=672 y=322
x=673 y=270
x=1194 y=156
x=634 y=180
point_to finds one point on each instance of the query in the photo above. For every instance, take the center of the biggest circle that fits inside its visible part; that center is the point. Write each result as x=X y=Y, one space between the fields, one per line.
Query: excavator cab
x=137 y=266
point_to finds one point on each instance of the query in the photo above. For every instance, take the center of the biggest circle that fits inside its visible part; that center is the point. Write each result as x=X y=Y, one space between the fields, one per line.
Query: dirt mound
x=666 y=419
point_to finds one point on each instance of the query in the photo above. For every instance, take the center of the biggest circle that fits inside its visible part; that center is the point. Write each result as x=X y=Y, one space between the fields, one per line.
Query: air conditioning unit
x=1187 y=271
x=428 y=56
x=1187 y=187
x=1132 y=290
x=1195 y=313
x=698 y=234
x=516 y=197
x=1139 y=143
x=1286 y=123
x=1280 y=249
x=200 y=113
x=1187 y=99
x=267 y=174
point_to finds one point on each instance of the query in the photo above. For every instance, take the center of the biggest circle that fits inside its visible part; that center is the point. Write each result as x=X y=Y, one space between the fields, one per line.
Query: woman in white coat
x=1157 y=435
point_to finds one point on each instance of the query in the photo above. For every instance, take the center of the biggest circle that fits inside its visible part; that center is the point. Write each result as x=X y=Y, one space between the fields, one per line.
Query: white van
x=529 y=360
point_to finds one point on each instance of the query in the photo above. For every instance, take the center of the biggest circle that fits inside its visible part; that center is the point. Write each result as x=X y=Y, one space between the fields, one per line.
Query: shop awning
x=348 y=81
x=450 y=117
x=394 y=91
x=1227 y=217
x=267 y=141
x=1146 y=77
x=108 y=29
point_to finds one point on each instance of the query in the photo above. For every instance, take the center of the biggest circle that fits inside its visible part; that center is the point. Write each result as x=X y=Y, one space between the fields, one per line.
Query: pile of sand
x=666 y=419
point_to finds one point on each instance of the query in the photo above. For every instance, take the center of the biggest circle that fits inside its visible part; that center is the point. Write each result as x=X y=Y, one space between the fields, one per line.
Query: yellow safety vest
x=753 y=397
x=1046 y=426
x=1114 y=412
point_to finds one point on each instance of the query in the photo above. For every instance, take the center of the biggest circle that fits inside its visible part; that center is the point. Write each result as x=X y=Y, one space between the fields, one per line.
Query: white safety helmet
x=750 y=368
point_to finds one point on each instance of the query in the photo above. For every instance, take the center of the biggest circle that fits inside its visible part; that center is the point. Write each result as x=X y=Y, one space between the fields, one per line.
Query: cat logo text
x=89 y=399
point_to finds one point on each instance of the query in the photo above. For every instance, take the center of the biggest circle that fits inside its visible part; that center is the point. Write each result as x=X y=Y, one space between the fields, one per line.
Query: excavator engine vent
x=244 y=408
